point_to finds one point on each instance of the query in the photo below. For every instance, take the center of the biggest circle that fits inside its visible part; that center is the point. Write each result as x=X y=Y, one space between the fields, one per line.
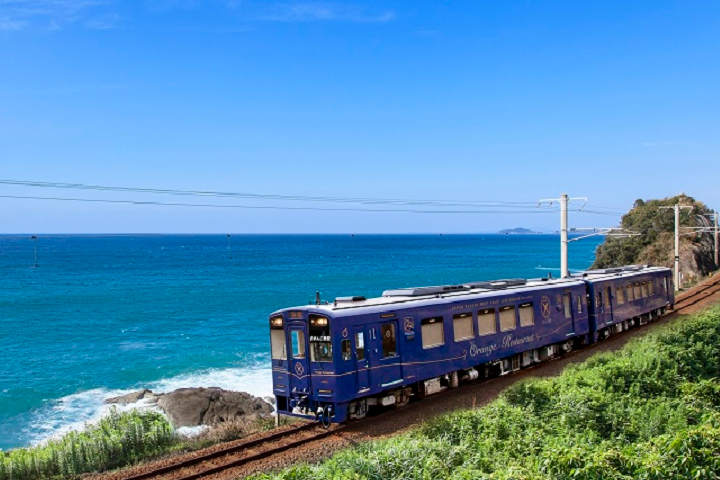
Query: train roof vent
x=498 y=284
x=633 y=268
x=420 y=291
x=356 y=298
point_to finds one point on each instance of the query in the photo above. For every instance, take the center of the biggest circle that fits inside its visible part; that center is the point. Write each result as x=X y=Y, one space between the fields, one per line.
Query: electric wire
x=271 y=196
x=272 y=207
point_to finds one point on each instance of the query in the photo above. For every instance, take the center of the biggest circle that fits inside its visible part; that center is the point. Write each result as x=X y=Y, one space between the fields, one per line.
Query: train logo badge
x=299 y=369
x=545 y=307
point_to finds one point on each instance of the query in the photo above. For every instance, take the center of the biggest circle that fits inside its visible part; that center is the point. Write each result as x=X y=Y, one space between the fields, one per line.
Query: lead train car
x=335 y=361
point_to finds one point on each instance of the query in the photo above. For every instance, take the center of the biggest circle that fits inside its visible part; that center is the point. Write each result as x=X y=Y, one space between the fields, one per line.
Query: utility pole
x=563 y=201
x=717 y=264
x=677 y=208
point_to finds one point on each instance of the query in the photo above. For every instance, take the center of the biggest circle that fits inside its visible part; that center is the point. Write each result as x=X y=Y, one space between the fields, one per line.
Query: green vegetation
x=656 y=244
x=118 y=439
x=650 y=411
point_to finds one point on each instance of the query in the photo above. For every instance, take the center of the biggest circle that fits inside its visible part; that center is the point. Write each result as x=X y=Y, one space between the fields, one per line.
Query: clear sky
x=461 y=100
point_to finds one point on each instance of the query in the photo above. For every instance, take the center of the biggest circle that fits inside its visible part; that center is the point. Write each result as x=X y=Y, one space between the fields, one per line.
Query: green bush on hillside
x=118 y=439
x=650 y=411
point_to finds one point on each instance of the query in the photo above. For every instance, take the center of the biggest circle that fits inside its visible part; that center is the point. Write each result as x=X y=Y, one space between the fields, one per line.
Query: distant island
x=518 y=231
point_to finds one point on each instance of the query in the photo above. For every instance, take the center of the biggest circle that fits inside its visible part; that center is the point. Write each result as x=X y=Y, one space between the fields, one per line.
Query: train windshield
x=320 y=340
x=277 y=339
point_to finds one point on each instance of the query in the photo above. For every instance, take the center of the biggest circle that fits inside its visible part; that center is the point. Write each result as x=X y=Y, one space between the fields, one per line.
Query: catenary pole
x=564 y=271
x=676 y=209
x=563 y=201
x=717 y=264
x=677 y=246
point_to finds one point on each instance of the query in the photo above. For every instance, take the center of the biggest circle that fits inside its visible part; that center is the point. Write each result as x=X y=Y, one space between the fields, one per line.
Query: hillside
x=656 y=244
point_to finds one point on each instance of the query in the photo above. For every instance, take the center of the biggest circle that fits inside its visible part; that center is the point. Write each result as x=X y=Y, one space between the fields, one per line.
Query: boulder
x=133 y=397
x=189 y=407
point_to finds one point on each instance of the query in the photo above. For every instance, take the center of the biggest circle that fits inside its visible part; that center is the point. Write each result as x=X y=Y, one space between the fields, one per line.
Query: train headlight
x=320 y=321
x=276 y=322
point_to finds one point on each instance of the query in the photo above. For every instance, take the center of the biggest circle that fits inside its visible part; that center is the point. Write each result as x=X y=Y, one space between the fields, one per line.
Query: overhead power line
x=270 y=207
x=270 y=196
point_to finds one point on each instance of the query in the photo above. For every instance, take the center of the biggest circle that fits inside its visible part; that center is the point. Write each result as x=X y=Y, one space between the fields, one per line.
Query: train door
x=608 y=305
x=361 y=359
x=298 y=363
x=383 y=355
x=568 y=310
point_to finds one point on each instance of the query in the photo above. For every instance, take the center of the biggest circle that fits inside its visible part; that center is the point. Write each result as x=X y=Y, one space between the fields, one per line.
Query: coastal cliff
x=655 y=245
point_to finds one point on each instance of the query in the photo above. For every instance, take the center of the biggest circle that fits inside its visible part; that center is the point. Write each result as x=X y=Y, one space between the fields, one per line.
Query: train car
x=335 y=361
x=624 y=297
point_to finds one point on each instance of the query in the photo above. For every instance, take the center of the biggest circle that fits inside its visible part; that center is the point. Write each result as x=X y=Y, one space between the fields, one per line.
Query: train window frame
x=567 y=306
x=430 y=325
x=524 y=308
x=346 y=349
x=487 y=313
x=297 y=341
x=467 y=326
x=651 y=287
x=501 y=318
x=644 y=289
x=360 y=345
x=666 y=284
x=579 y=304
x=629 y=293
x=387 y=340
x=608 y=298
x=637 y=291
x=320 y=340
x=620 y=296
x=278 y=341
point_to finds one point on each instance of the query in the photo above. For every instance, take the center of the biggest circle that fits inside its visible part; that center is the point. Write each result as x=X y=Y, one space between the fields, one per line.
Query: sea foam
x=74 y=412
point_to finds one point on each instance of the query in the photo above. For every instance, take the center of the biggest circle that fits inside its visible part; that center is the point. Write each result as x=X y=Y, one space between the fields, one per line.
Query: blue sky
x=462 y=100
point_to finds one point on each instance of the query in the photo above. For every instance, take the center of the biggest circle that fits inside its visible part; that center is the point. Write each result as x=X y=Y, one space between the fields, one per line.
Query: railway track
x=279 y=442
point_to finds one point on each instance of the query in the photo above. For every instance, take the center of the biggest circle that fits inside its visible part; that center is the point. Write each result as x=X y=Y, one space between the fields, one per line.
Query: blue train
x=336 y=361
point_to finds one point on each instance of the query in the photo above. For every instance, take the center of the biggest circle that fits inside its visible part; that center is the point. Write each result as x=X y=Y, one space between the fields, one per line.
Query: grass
x=649 y=411
x=118 y=440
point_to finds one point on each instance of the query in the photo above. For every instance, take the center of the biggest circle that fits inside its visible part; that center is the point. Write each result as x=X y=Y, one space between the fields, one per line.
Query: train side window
x=432 y=332
x=526 y=314
x=277 y=344
x=598 y=300
x=665 y=279
x=360 y=345
x=629 y=291
x=579 y=303
x=566 y=306
x=345 y=349
x=486 y=322
x=297 y=338
x=637 y=291
x=620 y=295
x=462 y=326
x=507 y=318
x=389 y=344
x=608 y=298
x=651 y=287
x=644 y=289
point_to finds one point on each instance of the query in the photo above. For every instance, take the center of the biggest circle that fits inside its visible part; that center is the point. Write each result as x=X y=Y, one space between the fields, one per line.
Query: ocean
x=102 y=315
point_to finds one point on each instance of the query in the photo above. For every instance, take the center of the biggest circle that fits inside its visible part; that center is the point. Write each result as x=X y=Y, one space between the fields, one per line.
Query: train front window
x=278 y=351
x=320 y=341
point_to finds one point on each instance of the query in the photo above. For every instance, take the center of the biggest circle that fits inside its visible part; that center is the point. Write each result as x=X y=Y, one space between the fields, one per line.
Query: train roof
x=432 y=295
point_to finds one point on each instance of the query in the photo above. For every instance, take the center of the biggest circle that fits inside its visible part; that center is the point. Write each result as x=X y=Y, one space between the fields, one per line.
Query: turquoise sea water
x=102 y=315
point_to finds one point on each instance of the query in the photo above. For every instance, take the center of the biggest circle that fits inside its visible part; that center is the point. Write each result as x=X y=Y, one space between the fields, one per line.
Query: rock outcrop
x=655 y=244
x=188 y=407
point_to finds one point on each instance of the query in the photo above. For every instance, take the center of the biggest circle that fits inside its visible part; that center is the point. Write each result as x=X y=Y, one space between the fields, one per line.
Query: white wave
x=74 y=412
